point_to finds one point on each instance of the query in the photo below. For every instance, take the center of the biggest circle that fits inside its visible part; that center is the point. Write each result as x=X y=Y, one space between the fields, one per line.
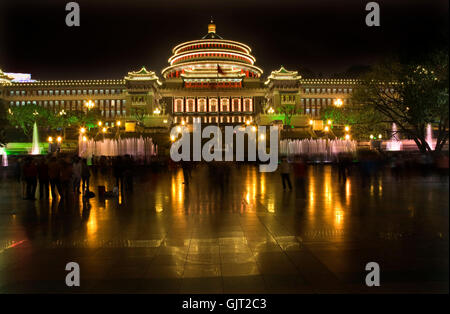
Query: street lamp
x=254 y=128
x=326 y=128
x=380 y=136
x=84 y=139
x=104 y=130
x=82 y=130
x=59 y=139
x=118 y=122
x=247 y=122
x=50 y=139
x=347 y=128
x=311 y=122
x=99 y=123
x=347 y=136
x=338 y=102
x=371 y=136
x=329 y=122
x=270 y=110
x=89 y=104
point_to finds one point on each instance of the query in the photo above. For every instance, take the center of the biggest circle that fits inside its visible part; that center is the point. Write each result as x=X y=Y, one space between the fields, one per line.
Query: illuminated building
x=212 y=79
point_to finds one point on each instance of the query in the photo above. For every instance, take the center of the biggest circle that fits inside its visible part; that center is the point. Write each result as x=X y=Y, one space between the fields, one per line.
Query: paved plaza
x=249 y=236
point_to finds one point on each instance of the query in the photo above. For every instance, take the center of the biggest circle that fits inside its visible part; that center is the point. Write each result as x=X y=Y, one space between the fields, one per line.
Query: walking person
x=43 y=178
x=300 y=172
x=85 y=176
x=65 y=177
x=53 y=176
x=76 y=171
x=285 y=173
x=30 y=174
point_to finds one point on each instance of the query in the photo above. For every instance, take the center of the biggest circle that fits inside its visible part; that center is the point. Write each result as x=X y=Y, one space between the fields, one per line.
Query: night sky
x=321 y=36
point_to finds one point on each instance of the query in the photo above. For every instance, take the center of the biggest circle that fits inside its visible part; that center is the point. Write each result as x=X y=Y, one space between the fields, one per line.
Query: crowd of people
x=65 y=175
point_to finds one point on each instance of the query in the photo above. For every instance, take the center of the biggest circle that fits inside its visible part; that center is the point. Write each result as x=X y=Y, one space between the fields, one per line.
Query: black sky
x=118 y=36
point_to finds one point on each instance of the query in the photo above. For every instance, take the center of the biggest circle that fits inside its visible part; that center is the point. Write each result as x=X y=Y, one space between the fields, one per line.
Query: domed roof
x=209 y=52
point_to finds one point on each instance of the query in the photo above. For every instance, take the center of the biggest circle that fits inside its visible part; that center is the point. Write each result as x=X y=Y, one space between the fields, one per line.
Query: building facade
x=211 y=79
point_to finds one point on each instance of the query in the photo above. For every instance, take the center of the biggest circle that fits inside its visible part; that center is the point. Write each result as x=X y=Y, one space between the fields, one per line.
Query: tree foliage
x=410 y=95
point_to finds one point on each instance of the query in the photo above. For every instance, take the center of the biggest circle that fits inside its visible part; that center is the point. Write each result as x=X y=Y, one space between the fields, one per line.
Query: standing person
x=76 y=170
x=285 y=171
x=30 y=174
x=43 y=177
x=20 y=177
x=118 y=168
x=300 y=172
x=53 y=176
x=65 y=176
x=85 y=175
x=186 y=172
x=128 y=173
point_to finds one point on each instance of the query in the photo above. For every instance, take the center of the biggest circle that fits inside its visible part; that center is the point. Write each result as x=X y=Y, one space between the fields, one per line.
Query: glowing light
x=183 y=123
x=178 y=129
x=99 y=123
x=262 y=136
x=89 y=104
x=371 y=136
x=104 y=130
x=338 y=102
x=254 y=128
x=157 y=111
x=50 y=139
x=118 y=122
x=270 y=110
x=165 y=121
x=59 y=139
x=172 y=138
x=311 y=122
x=326 y=128
x=347 y=128
x=247 y=122
x=329 y=122
x=84 y=139
x=347 y=136
x=82 y=130
x=380 y=136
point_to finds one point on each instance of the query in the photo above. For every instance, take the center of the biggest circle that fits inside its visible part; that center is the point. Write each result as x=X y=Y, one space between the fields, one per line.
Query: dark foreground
x=247 y=237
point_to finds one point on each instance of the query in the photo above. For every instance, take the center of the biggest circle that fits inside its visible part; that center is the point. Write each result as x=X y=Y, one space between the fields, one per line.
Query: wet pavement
x=251 y=237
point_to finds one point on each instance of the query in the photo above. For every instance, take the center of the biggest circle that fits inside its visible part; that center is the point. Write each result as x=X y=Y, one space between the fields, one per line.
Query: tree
x=288 y=111
x=3 y=123
x=25 y=116
x=410 y=95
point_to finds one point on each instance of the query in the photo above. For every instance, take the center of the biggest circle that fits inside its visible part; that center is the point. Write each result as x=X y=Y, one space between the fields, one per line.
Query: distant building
x=211 y=79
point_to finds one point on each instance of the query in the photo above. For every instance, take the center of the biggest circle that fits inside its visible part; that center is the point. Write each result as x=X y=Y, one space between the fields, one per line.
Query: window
x=201 y=105
x=213 y=105
x=178 y=105
x=190 y=105
x=225 y=105
x=247 y=104
x=236 y=105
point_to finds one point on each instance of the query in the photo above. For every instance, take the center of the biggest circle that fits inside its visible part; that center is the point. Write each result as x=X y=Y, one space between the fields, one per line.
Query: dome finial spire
x=211 y=26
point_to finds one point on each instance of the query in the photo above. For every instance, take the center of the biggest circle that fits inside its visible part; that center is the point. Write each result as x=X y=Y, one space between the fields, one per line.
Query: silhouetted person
x=118 y=170
x=285 y=169
x=53 y=176
x=65 y=177
x=85 y=175
x=42 y=169
x=76 y=170
x=300 y=172
x=30 y=174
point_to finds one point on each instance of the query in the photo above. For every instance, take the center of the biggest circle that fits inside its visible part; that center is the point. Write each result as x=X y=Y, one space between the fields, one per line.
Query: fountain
x=429 y=137
x=35 y=150
x=317 y=147
x=4 y=157
x=394 y=144
x=142 y=149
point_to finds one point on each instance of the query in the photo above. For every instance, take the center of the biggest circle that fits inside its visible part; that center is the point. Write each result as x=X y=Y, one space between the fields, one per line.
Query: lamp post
x=338 y=102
